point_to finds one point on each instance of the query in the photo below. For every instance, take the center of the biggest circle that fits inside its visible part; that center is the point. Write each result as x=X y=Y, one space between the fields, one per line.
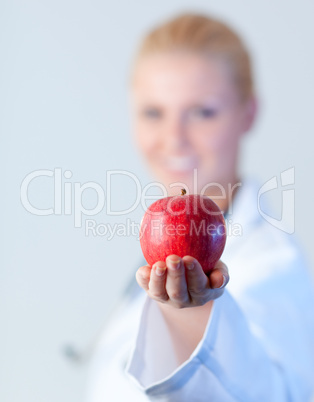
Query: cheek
x=217 y=143
x=211 y=139
x=224 y=143
x=146 y=141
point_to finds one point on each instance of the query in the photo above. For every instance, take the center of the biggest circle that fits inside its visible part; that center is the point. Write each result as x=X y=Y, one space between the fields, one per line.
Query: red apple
x=183 y=225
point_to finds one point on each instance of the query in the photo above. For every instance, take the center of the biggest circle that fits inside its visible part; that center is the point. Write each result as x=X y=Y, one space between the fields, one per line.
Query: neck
x=223 y=194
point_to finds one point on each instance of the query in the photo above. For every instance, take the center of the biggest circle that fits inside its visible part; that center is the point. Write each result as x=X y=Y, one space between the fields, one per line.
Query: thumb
x=219 y=276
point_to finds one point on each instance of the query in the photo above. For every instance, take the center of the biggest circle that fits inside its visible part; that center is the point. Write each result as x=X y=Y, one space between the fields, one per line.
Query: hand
x=181 y=282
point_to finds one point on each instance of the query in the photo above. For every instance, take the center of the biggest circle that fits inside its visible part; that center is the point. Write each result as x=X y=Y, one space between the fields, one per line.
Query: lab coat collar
x=243 y=212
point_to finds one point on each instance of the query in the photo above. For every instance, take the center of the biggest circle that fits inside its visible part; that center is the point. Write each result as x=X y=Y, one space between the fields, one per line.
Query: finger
x=197 y=282
x=219 y=276
x=143 y=275
x=176 y=285
x=157 y=288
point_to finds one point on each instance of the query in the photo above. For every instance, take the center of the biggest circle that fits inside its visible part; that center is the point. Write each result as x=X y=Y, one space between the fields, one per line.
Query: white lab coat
x=258 y=345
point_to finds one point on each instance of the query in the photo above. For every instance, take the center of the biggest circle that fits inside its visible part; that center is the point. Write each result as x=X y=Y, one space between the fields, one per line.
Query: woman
x=183 y=336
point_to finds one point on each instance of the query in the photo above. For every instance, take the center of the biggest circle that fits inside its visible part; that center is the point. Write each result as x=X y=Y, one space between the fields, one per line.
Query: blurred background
x=64 y=105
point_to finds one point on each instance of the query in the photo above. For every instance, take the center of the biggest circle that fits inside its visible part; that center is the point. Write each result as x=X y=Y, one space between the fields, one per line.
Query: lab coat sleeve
x=230 y=363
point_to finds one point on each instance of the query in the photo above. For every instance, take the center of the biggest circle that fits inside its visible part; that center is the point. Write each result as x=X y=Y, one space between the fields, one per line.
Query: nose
x=176 y=134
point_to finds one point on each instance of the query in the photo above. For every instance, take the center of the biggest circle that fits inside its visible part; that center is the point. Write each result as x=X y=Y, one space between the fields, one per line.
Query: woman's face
x=187 y=115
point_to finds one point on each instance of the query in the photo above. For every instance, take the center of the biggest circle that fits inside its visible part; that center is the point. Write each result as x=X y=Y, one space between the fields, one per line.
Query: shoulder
x=260 y=251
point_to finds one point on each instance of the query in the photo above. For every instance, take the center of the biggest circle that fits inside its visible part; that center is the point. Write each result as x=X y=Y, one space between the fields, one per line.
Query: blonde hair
x=204 y=35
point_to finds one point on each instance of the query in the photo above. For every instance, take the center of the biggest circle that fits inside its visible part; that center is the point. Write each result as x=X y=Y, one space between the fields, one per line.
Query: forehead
x=180 y=76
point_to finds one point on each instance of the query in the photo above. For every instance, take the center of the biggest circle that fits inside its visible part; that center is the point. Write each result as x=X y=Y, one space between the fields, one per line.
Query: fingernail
x=160 y=271
x=224 y=282
x=189 y=265
x=174 y=264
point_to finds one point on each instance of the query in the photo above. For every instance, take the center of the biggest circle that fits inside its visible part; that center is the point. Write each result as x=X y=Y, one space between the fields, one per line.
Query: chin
x=185 y=180
x=168 y=177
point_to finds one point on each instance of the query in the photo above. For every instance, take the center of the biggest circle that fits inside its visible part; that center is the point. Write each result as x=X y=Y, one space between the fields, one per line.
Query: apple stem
x=183 y=191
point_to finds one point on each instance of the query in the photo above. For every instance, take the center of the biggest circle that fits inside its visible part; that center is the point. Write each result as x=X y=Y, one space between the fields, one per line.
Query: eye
x=204 y=112
x=152 y=113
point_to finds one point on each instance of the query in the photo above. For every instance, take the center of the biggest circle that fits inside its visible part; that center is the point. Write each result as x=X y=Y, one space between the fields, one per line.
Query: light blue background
x=63 y=104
